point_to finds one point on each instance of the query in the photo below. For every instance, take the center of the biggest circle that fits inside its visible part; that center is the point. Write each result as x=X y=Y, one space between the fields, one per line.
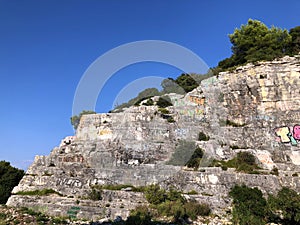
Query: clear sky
x=46 y=46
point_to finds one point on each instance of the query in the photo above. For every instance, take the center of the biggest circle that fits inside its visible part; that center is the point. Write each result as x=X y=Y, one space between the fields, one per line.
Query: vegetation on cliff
x=251 y=207
x=256 y=42
x=76 y=118
x=250 y=43
x=172 y=204
x=9 y=178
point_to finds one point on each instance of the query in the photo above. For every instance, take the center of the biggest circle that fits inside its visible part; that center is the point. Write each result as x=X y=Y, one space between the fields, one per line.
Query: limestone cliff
x=254 y=108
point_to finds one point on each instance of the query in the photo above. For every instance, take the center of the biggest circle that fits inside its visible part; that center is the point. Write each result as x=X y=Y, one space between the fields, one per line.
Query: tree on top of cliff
x=76 y=119
x=9 y=178
x=295 y=45
x=255 y=41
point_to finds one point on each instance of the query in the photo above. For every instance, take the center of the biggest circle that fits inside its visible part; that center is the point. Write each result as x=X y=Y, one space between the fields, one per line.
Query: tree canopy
x=9 y=178
x=255 y=41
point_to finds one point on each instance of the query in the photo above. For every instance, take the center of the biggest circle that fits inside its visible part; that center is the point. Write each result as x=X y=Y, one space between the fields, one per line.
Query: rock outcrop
x=255 y=108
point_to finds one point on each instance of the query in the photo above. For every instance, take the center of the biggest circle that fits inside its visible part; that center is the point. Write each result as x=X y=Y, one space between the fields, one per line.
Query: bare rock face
x=255 y=108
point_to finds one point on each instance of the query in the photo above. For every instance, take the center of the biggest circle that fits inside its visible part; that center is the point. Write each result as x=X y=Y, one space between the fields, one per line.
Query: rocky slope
x=254 y=108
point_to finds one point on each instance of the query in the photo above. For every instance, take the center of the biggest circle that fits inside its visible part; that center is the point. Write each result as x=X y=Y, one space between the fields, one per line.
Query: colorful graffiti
x=197 y=100
x=288 y=134
x=73 y=211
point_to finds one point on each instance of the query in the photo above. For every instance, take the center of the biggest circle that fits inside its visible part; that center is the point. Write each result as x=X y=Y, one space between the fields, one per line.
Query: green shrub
x=138 y=102
x=275 y=171
x=42 y=218
x=163 y=110
x=172 y=204
x=173 y=209
x=192 y=192
x=285 y=206
x=174 y=195
x=224 y=167
x=9 y=178
x=140 y=216
x=245 y=157
x=29 y=211
x=3 y=216
x=95 y=194
x=202 y=136
x=164 y=102
x=154 y=194
x=76 y=119
x=194 y=209
x=39 y=192
x=149 y=102
x=244 y=162
x=170 y=119
x=195 y=159
x=249 y=206
x=187 y=82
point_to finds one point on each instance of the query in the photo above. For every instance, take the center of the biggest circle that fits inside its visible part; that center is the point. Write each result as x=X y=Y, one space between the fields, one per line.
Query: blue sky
x=46 y=46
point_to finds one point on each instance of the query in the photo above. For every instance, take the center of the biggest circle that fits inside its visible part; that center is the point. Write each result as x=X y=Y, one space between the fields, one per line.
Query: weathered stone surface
x=254 y=108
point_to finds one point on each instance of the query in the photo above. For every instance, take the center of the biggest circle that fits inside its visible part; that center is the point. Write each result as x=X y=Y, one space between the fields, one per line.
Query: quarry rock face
x=255 y=108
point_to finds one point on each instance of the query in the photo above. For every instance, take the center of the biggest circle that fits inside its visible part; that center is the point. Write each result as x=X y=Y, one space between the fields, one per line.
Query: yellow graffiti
x=283 y=132
x=105 y=132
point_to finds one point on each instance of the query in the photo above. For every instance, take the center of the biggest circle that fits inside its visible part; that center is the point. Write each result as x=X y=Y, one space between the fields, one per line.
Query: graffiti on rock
x=73 y=158
x=69 y=182
x=288 y=134
x=197 y=100
x=73 y=211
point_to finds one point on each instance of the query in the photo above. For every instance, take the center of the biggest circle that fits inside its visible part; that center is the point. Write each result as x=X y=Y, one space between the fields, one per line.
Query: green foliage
x=76 y=119
x=182 y=154
x=149 y=102
x=202 y=136
x=295 y=44
x=244 y=162
x=143 y=95
x=9 y=178
x=140 y=216
x=286 y=205
x=3 y=216
x=154 y=194
x=164 y=102
x=170 y=119
x=184 y=83
x=172 y=204
x=254 y=42
x=169 y=85
x=245 y=157
x=195 y=159
x=192 y=192
x=95 y=194
x=194 y=209
x=249 y=206
x=163 y=110
x=187 y=82
x=43 y=192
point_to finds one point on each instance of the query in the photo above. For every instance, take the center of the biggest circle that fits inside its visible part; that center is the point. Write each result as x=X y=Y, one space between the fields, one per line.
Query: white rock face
x=254 y=108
